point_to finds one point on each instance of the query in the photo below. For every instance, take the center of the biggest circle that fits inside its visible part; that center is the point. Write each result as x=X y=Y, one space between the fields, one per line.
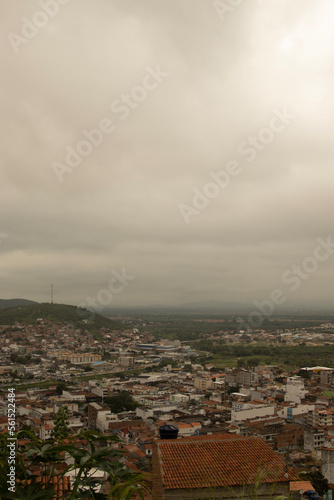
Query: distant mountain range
x=28 y=314
x=188 y=308
x=207 y=306
x=216 y=307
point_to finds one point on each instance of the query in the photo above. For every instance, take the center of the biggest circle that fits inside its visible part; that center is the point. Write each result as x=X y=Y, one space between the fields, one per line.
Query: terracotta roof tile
x=59 y=484
x=219 y=461
x=301 y=485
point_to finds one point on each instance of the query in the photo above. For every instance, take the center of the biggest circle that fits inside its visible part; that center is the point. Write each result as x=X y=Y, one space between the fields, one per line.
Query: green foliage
x=176 y=328
x=282 y=354
x=60 y=430
x=123 y=401
x=61 y=386
x=252 y=362
x=317 y=479
x=192 y=325
x=166 y=362
x=234 y=388
x=304 y=374
x=22 y=360
x=81 y=318
x=7 y=303
x=125 y=491
x=38 y=453
x=31 y=492
x=328 y=394
x=45 y=456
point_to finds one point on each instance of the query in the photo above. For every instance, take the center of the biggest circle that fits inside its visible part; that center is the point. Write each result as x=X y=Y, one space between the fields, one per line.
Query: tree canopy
x=40 y=465
x=317 y=479
x=123 y=401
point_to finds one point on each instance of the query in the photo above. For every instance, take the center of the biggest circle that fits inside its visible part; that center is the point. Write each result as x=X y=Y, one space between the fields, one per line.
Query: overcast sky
x=184 y=91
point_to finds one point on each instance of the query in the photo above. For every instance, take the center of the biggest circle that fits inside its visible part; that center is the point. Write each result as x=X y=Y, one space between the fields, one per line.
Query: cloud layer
x=223 y=77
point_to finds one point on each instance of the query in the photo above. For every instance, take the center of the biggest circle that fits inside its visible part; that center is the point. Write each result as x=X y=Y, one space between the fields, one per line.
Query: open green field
x=262 y=353
x=32 y=385
x=52 y=382
x=221 y=362
x=99 y=376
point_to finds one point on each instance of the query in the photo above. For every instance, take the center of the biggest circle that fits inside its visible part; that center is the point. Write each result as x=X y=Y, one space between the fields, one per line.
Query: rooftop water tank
x=168 y=431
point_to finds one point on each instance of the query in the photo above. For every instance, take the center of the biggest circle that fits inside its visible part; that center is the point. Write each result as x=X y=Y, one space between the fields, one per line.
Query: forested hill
x=59 y=313
x=4 y=303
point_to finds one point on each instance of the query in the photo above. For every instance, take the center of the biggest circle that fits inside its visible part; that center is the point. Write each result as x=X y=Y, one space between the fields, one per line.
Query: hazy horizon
x=205 y=307
x=168 y=152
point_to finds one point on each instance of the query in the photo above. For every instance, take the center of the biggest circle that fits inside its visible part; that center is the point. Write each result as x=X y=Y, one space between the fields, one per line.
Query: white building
x=179 y=398
x=323 y=418
x=102 y=392
x=72 y=407
x=73 y=397
x=295 y=390
x=45 y=431
x=203 y=384
x=244 y=411
x=34 y=369
x=161 y=412
x=288 y=412
x=103 y=419
x=187 y=429
x=145 y=378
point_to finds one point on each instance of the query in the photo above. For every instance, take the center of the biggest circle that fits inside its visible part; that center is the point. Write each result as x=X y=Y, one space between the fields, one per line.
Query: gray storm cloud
x=114 y=114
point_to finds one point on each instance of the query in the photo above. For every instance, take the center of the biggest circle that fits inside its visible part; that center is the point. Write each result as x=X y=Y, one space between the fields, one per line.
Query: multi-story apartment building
x=295 y=390
x=323 y=418
x=84 y=358
x=327 y=377
x=126 y=360
x=203 y=384
x=247 y=378
x=93 y=411
x=244 y=411
x=313 y=439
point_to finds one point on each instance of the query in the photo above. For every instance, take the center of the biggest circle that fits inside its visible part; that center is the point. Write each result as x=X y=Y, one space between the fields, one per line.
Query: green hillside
x=62 y=313
x=4 y=303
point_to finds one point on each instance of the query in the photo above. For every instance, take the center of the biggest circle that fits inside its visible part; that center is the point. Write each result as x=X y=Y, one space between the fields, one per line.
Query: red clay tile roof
x=218 y=461
x=60 y=485
x=301 y=485
x=210 y=437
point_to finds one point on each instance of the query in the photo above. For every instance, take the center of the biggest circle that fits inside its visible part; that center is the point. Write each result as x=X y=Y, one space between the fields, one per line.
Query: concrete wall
x=257 y=411
x=327 y=468
x=263 y=492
